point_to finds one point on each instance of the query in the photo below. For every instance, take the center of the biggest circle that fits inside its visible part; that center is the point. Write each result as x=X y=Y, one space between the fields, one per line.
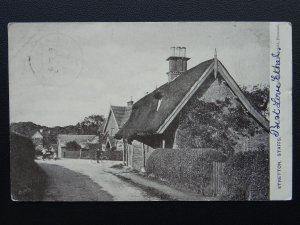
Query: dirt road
x=83 y=180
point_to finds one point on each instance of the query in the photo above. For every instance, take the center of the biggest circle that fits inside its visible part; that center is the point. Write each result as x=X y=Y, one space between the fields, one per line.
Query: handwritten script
x=275 y=116
x=275 y=99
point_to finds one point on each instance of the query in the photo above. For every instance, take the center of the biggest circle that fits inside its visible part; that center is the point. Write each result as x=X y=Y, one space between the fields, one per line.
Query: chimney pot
x=130 y=103
x=172 y=51
x=177 y=62
x=183 y=51
x=177 y=51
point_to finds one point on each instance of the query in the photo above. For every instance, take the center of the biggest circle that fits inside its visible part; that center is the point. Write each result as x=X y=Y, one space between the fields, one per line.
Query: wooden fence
x=217 y=174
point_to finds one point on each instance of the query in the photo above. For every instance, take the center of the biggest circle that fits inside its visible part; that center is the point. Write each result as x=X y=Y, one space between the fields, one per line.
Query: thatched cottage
x=82 y=140
x=165 y=118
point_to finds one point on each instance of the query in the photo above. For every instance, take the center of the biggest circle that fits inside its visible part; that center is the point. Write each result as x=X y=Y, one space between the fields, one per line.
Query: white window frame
x=158 y=104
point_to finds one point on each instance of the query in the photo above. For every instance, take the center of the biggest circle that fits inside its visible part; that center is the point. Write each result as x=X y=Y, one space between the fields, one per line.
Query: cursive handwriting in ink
x=275 y=99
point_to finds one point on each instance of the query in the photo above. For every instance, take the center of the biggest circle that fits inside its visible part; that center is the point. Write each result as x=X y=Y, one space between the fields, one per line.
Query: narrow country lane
x=84 y=180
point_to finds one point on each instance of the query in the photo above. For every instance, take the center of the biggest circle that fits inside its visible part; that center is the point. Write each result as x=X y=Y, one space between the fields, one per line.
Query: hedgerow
x=246 y=176
x=28 y=180
x=191 y=168
x=113 y=155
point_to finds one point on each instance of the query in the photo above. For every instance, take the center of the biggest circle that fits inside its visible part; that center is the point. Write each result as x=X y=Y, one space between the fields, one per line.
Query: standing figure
x=44 y=151
x=54 y=156
x=98 y=153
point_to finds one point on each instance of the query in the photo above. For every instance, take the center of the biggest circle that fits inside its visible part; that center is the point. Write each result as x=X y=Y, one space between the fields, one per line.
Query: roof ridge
x=76 y=135
x=145 y=119
x=118 y=106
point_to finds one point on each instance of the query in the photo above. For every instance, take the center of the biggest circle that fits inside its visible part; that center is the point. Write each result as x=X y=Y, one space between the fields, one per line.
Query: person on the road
x=54 y=156
x=98 y=153
x=44 y=151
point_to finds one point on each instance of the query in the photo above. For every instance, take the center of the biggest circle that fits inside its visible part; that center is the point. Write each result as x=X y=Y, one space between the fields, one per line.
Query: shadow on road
x=67 y=185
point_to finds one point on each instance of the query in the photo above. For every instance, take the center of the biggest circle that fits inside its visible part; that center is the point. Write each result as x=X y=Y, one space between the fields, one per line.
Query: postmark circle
x=56 y=59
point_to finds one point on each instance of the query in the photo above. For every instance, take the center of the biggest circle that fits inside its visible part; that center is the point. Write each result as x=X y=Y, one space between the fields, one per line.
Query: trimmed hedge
x=246 y=176
x=190 y=168
x=113 y=155
x=28 y=180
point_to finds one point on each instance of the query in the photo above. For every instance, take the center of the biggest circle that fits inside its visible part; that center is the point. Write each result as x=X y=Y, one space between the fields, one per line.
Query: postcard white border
x=280 y=111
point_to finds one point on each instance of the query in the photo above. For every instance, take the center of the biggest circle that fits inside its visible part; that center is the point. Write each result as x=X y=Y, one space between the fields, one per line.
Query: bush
x=73 y=146
x=191 y=168
x=246 y=176
x=28 y=180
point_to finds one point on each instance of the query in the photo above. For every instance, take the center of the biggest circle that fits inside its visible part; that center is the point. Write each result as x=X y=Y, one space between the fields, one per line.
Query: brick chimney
x=177 y=62
x=130 y=103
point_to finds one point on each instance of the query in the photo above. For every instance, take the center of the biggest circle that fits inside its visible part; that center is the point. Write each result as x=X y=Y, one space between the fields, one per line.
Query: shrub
x=191 y=168
x=28 y=180
x=113 y=155
x=246 y=176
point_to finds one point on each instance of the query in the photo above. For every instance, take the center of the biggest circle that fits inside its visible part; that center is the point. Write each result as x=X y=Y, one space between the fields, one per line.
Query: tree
x=90 y=124
x=258 y=95
x=73 y=146
x=219 y=124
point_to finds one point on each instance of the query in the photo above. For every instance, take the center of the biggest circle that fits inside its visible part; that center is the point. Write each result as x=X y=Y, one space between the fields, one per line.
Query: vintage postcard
x=188 y=111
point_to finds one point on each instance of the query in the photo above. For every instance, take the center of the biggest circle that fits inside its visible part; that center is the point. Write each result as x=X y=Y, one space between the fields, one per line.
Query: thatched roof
x=145 y=119
x=94 y=140
x=120 y=113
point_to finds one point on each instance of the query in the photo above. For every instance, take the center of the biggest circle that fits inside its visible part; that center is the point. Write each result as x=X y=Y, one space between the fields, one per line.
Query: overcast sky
x=60 y=73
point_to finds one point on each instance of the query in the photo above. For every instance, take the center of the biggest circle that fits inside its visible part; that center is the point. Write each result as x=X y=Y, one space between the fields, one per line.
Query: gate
x=217 y=174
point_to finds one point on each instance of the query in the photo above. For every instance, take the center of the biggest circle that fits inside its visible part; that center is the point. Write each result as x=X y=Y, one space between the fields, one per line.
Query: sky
x=60 y=73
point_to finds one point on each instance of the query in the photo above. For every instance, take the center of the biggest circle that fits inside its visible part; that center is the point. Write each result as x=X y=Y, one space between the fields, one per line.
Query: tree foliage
x=90 y=125
x=258 y=95
x=73 y=146
x=221 y=123
x=246 y=176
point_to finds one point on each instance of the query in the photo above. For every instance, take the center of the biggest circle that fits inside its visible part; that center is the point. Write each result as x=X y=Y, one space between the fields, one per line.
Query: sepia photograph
x=145 y=111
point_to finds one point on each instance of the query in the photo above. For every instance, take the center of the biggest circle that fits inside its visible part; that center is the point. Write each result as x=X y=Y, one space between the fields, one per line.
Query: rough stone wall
x=69 y=154
x=136 y=155
x=148 y=151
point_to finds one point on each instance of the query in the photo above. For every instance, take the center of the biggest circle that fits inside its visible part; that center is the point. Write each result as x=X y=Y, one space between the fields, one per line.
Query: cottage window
x=158 y=104
x=112 y=132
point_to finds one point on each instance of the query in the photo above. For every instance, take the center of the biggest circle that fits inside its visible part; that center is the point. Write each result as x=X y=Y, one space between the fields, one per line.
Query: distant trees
x=90 y=125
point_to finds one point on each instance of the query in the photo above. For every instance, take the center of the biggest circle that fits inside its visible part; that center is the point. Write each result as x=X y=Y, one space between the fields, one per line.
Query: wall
x=111 y=124
x=37 y=141
x=119 y=145
x=138 y=154
x=85 y=154
x=69 y=154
